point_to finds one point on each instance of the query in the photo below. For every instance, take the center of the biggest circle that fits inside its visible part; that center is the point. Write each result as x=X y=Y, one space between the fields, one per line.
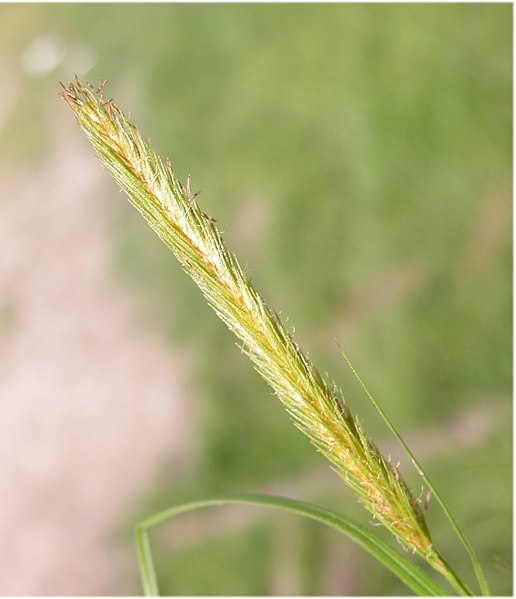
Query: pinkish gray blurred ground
x=90 y=406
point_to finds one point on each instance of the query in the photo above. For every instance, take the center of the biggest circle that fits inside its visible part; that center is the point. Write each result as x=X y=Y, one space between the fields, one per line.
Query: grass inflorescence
x=315 y=404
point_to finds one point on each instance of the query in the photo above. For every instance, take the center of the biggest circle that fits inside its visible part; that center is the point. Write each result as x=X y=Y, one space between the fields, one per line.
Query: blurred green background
x=358 y=159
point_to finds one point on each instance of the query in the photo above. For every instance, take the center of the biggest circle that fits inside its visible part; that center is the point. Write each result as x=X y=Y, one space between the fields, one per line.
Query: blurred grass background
x=358 y=158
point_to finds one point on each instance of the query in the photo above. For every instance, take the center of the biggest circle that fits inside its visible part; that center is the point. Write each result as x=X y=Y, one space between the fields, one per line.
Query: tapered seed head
x=316 y=406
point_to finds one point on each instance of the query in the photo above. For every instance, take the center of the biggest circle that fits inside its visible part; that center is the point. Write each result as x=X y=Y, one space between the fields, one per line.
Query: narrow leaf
x=398 y=564
x=474 y=560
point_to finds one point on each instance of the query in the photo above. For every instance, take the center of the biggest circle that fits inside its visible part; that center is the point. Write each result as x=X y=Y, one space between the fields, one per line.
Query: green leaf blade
x=448 y=572
x=417 y=580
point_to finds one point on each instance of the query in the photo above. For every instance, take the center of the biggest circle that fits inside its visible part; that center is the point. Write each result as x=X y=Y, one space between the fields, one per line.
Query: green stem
x=147 y=570
x=474 y=560
x=400 y=565
x=447 y=571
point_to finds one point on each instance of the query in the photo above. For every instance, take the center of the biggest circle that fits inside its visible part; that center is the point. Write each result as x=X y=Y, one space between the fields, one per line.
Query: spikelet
x=316 y=406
